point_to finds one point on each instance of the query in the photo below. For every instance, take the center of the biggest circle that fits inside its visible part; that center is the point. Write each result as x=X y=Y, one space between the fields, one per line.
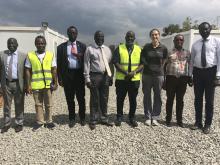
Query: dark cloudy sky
x=113 y=17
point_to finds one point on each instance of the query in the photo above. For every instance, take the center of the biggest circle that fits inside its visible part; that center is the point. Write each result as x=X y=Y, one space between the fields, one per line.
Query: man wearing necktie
x=12 y=83
x=70 y=57
x=98 y=77
x=205 y=72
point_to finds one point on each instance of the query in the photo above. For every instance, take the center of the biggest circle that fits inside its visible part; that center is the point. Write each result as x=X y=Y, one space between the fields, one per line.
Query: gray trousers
x=10 y=91
x=152 y=111
x=99 y=97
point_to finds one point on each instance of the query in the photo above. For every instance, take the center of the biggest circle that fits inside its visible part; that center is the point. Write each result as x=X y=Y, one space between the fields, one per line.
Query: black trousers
x=99 y=97
x=74 y=85
x=122 y=88
x=175 y=87
x=203 y=80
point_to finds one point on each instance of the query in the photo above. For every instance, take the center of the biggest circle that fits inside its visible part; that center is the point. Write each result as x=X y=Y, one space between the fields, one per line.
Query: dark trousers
x=99 y=97
x=203 y=80
x=74 y=85
x=122 y=88
x=175 y=87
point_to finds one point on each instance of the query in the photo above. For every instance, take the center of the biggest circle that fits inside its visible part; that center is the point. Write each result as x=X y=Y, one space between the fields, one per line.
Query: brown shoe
x=5 y=128
x=18 y=128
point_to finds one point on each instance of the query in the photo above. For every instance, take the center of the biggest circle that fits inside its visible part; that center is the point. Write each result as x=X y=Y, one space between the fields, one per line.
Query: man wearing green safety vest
x=41 y=80
x=127 y=62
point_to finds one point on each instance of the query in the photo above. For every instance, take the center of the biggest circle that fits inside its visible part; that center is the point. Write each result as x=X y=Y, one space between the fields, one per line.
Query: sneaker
x=155 y=123
x=37 y=127
x=148 y=122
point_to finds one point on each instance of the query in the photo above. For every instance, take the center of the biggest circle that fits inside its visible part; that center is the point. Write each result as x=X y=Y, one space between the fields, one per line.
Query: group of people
x=76 y=66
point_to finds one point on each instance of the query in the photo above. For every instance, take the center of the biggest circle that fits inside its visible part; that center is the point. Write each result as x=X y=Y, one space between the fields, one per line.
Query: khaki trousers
x=43 y=96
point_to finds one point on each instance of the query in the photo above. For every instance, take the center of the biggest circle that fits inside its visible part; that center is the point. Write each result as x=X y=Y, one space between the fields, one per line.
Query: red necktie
x=73 y=49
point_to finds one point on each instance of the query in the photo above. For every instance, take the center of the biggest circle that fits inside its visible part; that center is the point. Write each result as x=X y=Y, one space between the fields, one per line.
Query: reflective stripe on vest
x=41 y=72
x=124 y=61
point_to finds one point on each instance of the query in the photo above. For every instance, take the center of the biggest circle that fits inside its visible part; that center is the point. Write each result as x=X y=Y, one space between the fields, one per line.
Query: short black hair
x=72 y=27
x=178 y=36
x=40 y=37
x=203 y=23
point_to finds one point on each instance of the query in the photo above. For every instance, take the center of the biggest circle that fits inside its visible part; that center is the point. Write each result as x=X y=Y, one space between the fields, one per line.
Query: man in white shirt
x=205 y=69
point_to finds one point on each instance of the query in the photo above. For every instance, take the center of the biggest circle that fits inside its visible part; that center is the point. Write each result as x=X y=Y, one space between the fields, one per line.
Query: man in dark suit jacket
x=70 y=74
x=12 y=83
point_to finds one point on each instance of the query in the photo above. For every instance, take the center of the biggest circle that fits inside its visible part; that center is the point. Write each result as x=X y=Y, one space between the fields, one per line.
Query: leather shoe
x=82 y=122
x=5 y=128
x=107 y=123
x=18 y=128
x=92 y=126
x=180 y=124
x=206 y=129
x=37 y=127
x=168 y=124
x=118 y=122
x=133 y=123
x=196 y=126
x=72 y=123
x=50 y=125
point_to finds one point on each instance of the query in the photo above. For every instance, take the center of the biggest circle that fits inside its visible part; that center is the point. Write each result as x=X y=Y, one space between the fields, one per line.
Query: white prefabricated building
x=189 y=38
x=26 y=37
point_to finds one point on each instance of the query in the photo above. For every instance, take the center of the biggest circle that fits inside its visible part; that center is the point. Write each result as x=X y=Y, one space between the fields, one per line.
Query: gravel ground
x=111 y=145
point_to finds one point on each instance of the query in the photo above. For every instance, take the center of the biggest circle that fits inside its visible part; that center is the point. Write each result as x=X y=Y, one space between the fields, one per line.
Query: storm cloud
x=113 y=17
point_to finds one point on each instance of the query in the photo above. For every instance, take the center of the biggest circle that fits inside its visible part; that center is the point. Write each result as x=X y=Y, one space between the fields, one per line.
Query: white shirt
x=73 y=61
x=41 y=57
x=14 y=65
x=212 y=54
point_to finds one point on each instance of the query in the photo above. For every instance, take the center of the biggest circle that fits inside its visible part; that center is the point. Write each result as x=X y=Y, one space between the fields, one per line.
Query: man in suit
x=205 y=69
x=70 y=74
x=12 y=83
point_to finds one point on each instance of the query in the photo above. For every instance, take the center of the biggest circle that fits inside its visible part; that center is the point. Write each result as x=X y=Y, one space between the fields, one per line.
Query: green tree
x=172 y=28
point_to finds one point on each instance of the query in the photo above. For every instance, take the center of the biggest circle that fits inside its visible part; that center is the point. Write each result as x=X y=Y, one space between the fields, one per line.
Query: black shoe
x=72 y=123
x=18 y=128
x=206 y=129
x=133 y=123
x=92 y=126
x=196 y=126
x=180 y=124
x=107 y=123
x=50 y=125
x=168 y=124
x=118 y=122
x=37 y=127
x=82 y=122
x=5 y=128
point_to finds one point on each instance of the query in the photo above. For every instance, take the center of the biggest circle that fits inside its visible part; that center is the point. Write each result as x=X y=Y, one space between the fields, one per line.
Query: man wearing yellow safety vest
x=40 y=70
x=127 y=62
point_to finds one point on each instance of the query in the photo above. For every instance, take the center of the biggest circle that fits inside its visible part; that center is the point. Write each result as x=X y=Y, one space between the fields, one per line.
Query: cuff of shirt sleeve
x=88 y=80
x=218 y=74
